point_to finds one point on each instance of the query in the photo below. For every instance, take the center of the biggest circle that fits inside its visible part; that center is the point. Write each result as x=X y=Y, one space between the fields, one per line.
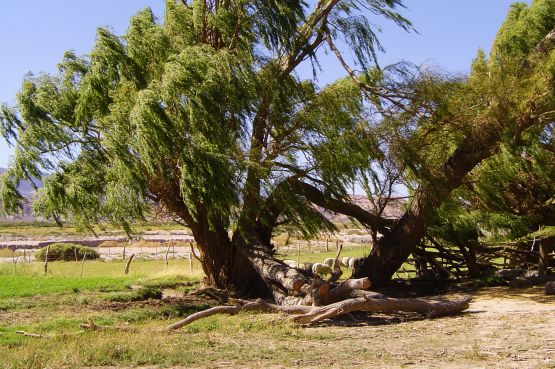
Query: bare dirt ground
x=503 y=328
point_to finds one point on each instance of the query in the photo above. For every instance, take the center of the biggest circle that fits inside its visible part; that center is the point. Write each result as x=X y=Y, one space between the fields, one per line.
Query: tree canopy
x=204 y=114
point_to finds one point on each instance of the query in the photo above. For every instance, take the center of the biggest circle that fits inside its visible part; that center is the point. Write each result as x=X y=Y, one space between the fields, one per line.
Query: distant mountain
x=25 y=187
x=27 y=191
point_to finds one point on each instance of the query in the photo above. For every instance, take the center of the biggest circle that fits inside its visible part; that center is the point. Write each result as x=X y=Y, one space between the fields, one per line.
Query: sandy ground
x=503 y=328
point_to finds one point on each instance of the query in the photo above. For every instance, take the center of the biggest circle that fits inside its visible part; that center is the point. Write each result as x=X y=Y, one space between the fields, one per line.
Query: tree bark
x=225 y=265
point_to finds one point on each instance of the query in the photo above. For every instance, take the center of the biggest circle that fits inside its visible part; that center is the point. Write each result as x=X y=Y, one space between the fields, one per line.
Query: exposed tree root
x=27 y=334
x=340 y=301
x=387 y=305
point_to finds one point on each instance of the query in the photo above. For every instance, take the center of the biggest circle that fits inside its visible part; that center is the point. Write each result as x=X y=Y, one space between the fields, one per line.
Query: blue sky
x=34 y=35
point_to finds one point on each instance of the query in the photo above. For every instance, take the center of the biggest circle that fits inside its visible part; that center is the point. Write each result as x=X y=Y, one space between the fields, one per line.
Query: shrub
x=141 y=294
x=67 y=252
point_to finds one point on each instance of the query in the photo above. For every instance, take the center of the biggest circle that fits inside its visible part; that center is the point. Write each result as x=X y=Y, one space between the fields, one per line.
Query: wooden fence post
x=46 y=260
x=14 y=258
x=298 y=252
x=82 y=265
x=128 y=264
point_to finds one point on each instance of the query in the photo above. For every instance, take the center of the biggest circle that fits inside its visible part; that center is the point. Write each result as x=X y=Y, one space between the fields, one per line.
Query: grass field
x=134 y=332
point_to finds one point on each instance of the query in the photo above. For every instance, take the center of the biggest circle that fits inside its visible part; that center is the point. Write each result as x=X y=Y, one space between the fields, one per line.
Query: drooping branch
x=372 y=90
x=315 y=22
x=482 y=142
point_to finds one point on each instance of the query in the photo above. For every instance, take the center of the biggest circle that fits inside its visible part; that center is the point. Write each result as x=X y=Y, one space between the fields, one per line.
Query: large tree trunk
x=395 y=247
x=225 y=265
x=246 y=266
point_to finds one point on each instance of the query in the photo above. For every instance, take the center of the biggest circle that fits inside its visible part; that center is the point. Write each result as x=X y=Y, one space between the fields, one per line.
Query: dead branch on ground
x=344 y=298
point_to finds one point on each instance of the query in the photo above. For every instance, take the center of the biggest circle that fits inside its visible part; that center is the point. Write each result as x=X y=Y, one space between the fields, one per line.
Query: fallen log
x=343 y=290
x=274 y=271
x=431 y=309
x=27 y=334
x=308 y=314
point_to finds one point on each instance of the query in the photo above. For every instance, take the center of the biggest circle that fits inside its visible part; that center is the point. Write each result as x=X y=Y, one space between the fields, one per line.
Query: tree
x=204 y=115
x=503 y=100
x=201 y=116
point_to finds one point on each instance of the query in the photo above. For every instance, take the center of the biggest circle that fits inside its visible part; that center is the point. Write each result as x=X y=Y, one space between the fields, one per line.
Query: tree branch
x=318 y=198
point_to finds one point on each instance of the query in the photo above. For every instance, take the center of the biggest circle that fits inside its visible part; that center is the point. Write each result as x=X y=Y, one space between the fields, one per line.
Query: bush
x=141 y=294
x=67 y=252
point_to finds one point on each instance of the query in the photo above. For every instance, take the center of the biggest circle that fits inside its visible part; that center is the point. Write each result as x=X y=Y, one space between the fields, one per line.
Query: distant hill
x=27 y=191
x=393 y=210
x=25 y=187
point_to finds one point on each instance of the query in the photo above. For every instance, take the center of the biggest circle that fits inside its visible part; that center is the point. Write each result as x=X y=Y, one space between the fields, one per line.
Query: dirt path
x=503 y=328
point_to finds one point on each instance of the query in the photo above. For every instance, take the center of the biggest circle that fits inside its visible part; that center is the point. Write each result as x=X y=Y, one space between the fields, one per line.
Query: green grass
x=154 y=269
x=64 y=277
x=218 y=338
x=141 y=294
x=25 y=286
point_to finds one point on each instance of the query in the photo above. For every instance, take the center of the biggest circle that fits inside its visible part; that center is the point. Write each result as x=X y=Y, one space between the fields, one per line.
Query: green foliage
x=66 y=252
x=524 y=27
x=456 y=224
x=519 y=184
x=510 y=194
x=141 y=294
x=169 y=112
